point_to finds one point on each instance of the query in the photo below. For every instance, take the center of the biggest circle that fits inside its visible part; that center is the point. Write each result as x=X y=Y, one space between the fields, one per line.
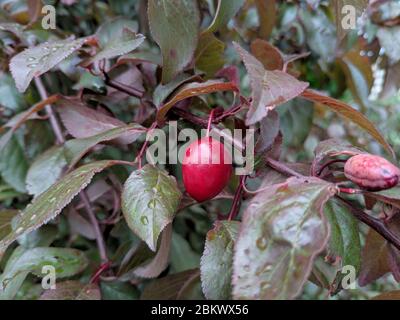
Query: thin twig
x=99 y=236
x=282 y=168
x=49 y=110
x=376 y=224
x=60 y=139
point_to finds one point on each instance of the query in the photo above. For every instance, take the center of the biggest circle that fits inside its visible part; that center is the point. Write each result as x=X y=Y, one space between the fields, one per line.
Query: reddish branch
x=237 y=199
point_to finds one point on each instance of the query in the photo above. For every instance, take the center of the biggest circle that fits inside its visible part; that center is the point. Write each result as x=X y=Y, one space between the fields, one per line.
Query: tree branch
x=60 y=140
x=376 y=224
x=282 y=168
x=237 y=199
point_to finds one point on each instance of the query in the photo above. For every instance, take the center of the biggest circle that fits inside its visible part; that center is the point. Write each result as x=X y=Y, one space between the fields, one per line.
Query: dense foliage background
x=76 y=192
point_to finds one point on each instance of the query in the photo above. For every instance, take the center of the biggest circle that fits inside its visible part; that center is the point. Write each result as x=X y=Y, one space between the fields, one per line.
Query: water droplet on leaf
x=152 y=204
x=261 y=243
x=144 y=220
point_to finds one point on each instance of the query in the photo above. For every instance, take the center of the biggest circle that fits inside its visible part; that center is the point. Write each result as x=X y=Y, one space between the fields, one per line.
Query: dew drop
x=31 y=59
x=246 y=268
x=155 y=190
x=152 y=204
x=52 y=199
x=32 y=65
x=261 y=243
x=47 y=48
x=19 y=230
x=54 y=49
x=144 y=220
x=33 y=217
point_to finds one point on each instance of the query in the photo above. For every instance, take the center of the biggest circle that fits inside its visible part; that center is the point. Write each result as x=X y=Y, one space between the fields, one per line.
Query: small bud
x=371 y=172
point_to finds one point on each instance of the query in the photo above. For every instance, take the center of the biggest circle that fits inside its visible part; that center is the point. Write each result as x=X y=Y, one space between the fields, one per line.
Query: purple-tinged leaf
x=282 y=231
x=344 y=243
x=192 y=90
x=269 y=88
x=160 y=261
x=379 y=257
x=75 y=149
x=84 y=122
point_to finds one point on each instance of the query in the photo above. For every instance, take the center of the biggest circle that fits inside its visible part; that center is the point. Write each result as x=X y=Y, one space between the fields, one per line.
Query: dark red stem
x=374 y=223
x=237 y=199
x=103 y=267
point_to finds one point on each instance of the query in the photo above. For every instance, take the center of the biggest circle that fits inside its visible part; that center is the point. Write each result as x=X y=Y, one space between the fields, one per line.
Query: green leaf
x=42 y=237
x=84 y=122
x=117 y=290
x=72 y=290
x=112 y=29
x=349 y=113
x=282 y=231
x=9 y=95
x=169 y=21
x=359 y=77
x=50 y=203
x=183 y=257
x=123 y=43
x=45 y=170
x=14 y=165
x=75 y=149
x=33 y=62
x=320 y=33
x=296 y=119
x=269 y=88
x=344 y=241
x=150 y=200
x=173 y=287
x=209 y=55
x=217 y=260
x=226 y=10
x=66 y=262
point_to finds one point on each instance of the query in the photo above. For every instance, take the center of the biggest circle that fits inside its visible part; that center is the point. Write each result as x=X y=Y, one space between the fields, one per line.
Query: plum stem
x=210 y=118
